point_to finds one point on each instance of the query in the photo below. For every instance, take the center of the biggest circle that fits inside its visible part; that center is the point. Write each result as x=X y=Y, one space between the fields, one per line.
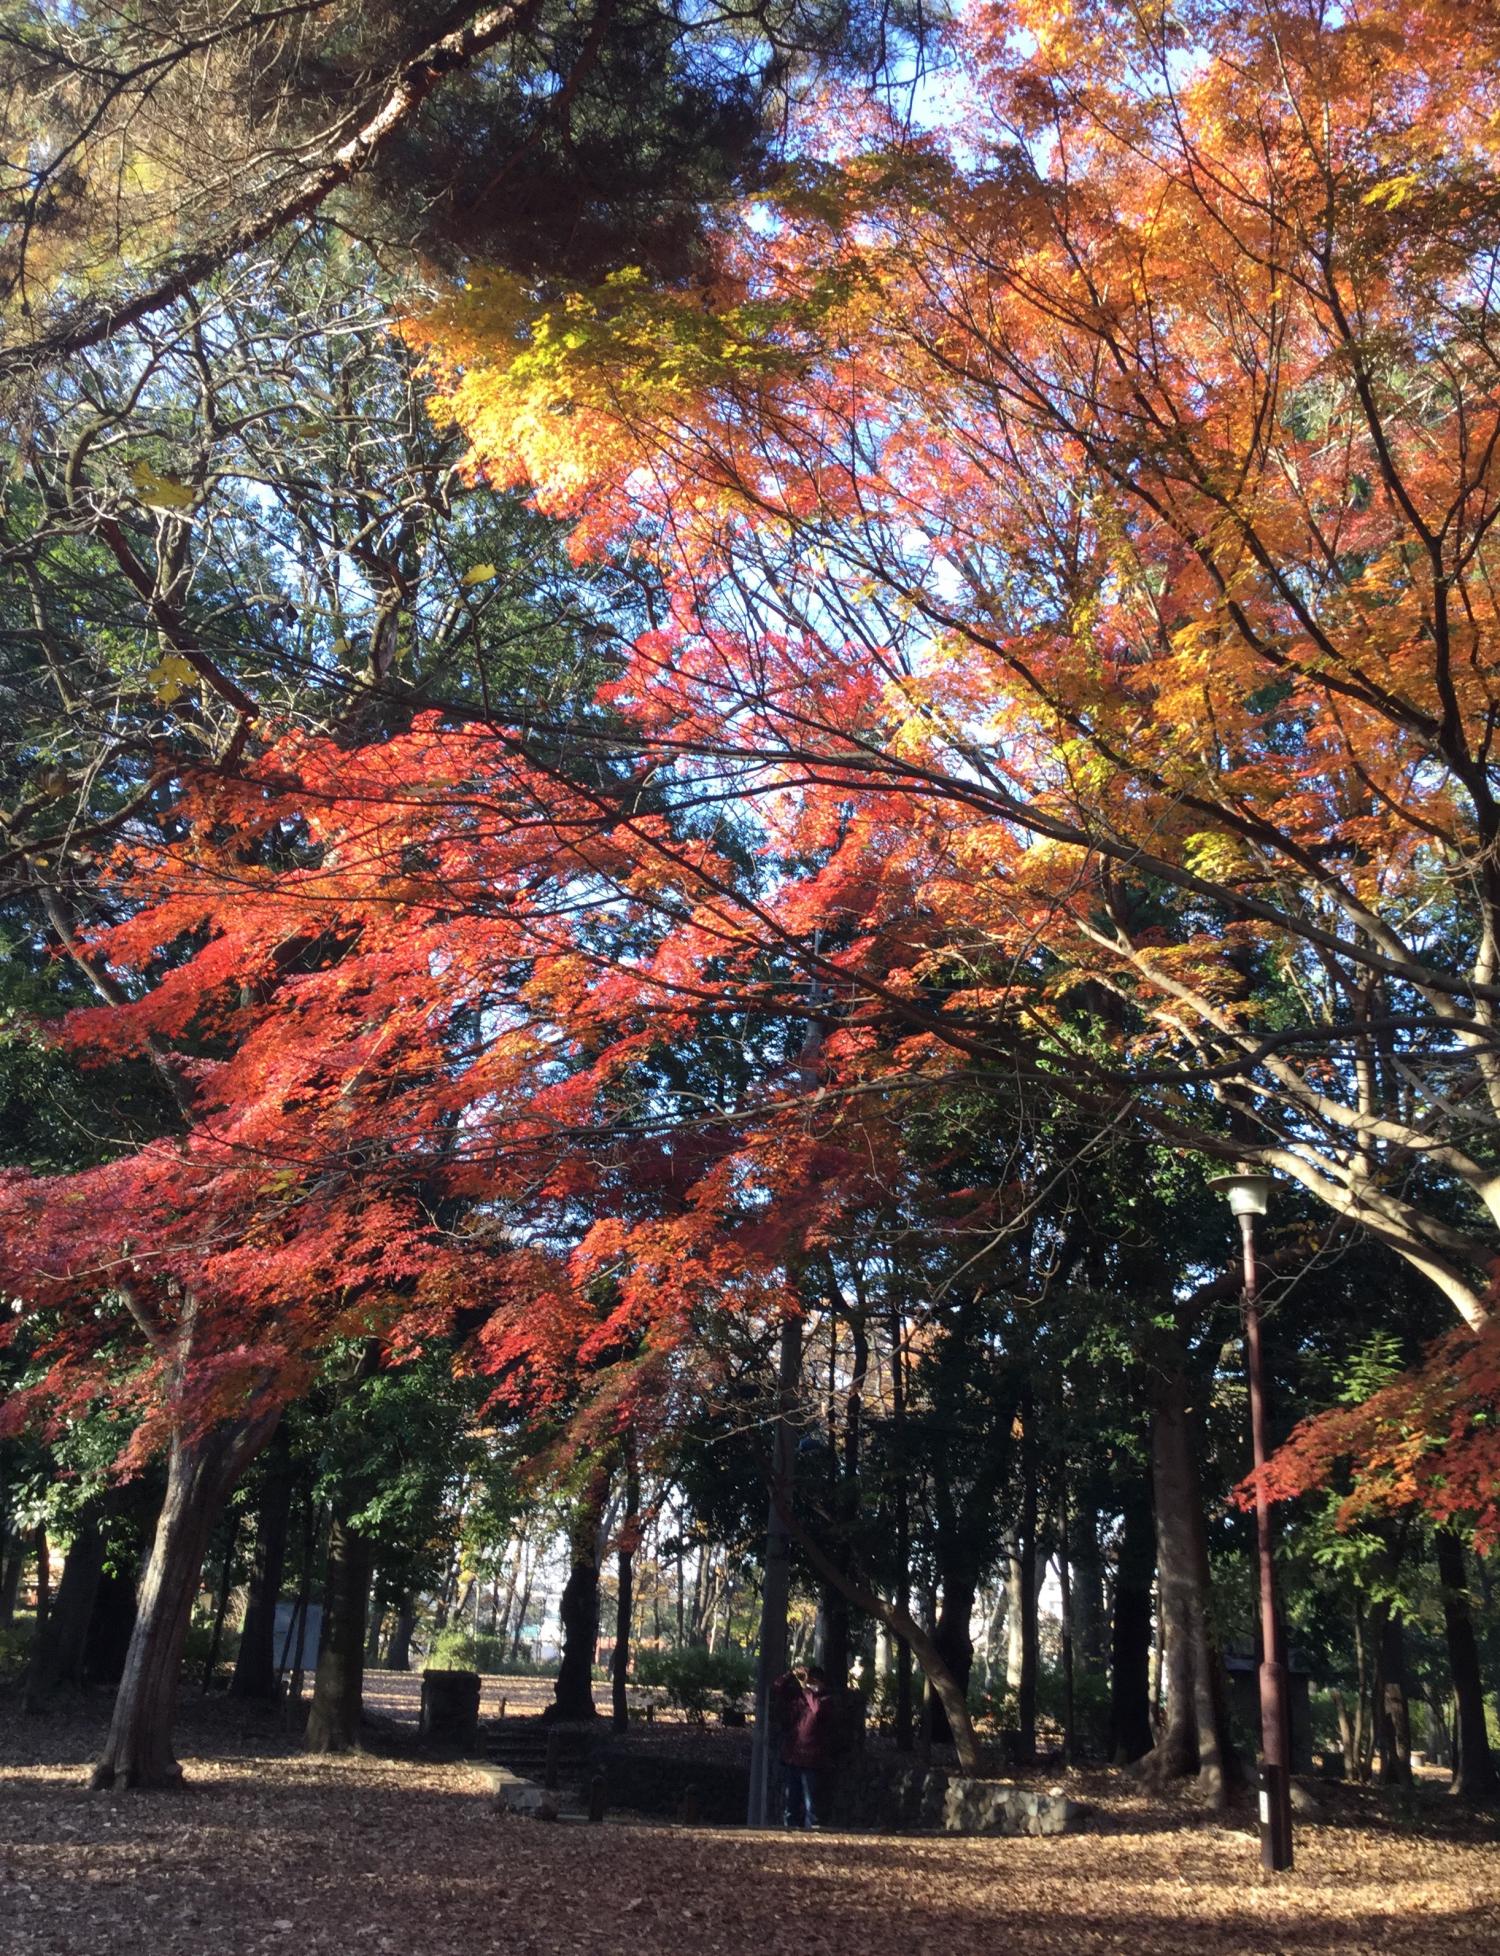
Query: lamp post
x=1249 y=1191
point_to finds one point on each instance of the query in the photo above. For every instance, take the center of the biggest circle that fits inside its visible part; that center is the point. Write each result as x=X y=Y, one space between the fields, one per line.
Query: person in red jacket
x=805 y=1716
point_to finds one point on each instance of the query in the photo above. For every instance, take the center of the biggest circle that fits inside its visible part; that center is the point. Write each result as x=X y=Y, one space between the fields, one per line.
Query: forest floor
x=391 y=1854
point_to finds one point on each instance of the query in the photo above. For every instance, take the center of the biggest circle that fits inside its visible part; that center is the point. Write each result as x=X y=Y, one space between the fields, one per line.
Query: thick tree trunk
x=951 y=1639
x=111 y=1627
x=255 y=1662
x=200 y=1474
x=57 y=1656
x=573 y=1694
x=403 y=1626
x=1196 y=1736
x=1474 y=1773
x=338 y=1687
x=1130 y=1735
x=1393 y=1713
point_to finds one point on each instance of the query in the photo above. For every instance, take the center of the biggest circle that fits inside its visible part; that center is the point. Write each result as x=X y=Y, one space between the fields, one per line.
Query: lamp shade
x=1248 y=1190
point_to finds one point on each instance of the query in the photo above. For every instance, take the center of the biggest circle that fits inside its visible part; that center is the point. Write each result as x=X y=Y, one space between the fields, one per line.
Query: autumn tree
x=1103 y=503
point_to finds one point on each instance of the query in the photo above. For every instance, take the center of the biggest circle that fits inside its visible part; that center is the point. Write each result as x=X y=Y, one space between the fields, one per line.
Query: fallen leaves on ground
x=268 y=1851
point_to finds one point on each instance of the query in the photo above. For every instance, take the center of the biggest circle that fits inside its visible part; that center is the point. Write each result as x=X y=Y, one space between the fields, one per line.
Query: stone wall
x=907 y=1797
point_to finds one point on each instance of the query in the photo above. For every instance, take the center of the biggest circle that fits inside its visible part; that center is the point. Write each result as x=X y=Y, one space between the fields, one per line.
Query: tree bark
x=573 y=1694
x=619 y=1663
x=12 y=1560
x=1196 y=1736
x=57 y=1656
x=1393 y=1715
x=201 y=1471
x=338 y=1686
x=403 y=1625
x=1130 y=1735
x=952 y=1640
x=1474 y=1773
x=255 y=1662
x=1027 y=1598
x=111 y=1627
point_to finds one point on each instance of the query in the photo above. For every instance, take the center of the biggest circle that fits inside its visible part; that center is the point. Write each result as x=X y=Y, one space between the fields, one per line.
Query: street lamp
x=1249 y=1192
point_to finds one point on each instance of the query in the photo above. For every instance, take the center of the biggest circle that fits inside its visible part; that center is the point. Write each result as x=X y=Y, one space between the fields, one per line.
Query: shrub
x=695 y=1676
x=458 y=1649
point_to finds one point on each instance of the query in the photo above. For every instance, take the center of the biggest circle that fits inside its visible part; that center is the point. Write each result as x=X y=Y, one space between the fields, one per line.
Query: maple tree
x=1039 y=571
x=1078 y=531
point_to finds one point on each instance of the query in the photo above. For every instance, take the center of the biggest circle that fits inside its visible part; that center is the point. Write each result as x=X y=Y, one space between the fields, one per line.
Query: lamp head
x=1248 y=1190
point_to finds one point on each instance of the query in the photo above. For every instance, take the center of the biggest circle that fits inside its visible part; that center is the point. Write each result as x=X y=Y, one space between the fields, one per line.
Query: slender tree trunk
x=221 y=1606
x=1130 y=1734
x=1027 y=1599
x=255 y=1661
x=12 y=1560
x=1196 y=1737
x=1013 y=1640
x=296 y=1637
x=338 y=1687
x=1086 y=1566
x=517 y=1642
x=1474 y=1773
x=1065 y=1582
x=57 y=1654
x=43 y=1580
x=619 y=1663
x=904 y=1725
x=200 y=1474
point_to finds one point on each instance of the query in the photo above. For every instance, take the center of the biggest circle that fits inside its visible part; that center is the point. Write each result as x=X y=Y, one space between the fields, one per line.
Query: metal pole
x=771 y=1658
x=1275 y=1720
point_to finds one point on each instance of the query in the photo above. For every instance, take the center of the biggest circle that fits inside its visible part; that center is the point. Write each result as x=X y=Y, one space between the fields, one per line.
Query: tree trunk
x=1027 y=1599
x=1196 y=1735
x=221 y=1606
x=338 y=1687
x=619 y=1663
x=518 y=1636
x=111 y=1626
x=1130 y=1735
x=255 y=1662
x=573 y=1694
x=1090 y=1619
x=403 y=1625
x=12 y=1560
x=1474 y=1773
x=57 y=1656
x=1393 y=1713
x=1012 y=1622
x=951 y=1639
x=200 y=1474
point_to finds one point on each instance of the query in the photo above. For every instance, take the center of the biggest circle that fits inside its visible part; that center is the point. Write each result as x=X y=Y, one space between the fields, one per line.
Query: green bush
x=693 y=1678
x=195 y=1650
x=458 y=1649
x=15 y=1650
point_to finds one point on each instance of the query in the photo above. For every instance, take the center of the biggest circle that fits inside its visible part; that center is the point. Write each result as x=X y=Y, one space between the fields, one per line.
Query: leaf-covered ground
x=398 y=1856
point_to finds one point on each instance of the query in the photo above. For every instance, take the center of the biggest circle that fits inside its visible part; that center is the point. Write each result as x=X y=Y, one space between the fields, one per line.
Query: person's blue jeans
x=801 y=1805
